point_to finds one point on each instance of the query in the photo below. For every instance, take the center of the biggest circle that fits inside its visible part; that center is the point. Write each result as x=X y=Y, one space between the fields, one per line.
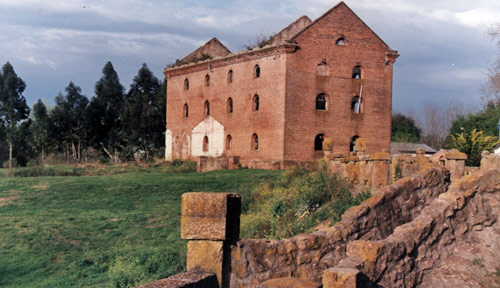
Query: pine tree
x=13 y=107
x=143 y=115
x=105 y=113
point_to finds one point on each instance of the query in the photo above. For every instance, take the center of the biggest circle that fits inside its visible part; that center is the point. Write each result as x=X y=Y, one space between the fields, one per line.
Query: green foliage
x=294 y=203
x=404 y=129
x=69 y=119
x=105 y=122
x=143 y=117
x=13 y=107
x=40 y=137
x=485 y=120
x=473 y=144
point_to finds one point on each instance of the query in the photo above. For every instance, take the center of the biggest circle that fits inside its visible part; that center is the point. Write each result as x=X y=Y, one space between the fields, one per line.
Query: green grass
x=101 y=231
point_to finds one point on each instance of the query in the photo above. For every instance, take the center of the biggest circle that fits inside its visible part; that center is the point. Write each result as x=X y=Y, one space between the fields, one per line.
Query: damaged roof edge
x=287 y=46
x=341 y=3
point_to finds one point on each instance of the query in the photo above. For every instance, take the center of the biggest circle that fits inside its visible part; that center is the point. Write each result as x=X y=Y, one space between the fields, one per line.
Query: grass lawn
x=100 y=230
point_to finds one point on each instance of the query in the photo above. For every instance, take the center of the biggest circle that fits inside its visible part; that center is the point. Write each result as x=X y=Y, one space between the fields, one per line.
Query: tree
x=491 y=89
x=143 y=114
x=40 y=128
x=473 y=144
x=69 y=120
x=437 y=120
x=13 y=107
x=105 y=113
x=403 y=129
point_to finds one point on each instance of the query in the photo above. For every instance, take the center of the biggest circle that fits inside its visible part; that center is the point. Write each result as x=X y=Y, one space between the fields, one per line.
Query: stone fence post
x=211 y=223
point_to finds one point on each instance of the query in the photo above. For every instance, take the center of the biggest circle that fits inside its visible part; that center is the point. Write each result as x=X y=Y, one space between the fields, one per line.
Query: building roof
x=410 y=148
x=284 y=37
x=211 y=49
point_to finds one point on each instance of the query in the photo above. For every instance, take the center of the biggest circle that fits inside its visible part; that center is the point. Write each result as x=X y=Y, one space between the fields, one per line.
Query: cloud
x=57 y=41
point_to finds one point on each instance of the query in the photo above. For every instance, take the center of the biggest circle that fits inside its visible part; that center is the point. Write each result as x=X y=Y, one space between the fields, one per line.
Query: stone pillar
x=211 y=223
x=341 y=278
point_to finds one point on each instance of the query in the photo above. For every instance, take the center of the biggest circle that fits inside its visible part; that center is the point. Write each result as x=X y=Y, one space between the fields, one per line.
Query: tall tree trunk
x=10 y=156
x=43 y=155
x=67 y=152
x=79 y=151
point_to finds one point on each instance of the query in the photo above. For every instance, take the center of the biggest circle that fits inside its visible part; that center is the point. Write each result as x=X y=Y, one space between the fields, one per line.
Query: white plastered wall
x=214 y=131
x=168 y=145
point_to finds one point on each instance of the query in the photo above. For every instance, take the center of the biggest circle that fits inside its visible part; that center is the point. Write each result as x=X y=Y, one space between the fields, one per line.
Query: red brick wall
x=267 y=123
x=364 y=48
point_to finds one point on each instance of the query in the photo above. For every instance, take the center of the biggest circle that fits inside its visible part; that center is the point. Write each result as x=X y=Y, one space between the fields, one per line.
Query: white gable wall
x=214 y=131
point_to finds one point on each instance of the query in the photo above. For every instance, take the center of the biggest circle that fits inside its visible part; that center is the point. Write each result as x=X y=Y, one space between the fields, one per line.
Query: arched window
x=322 y=69
x=356 y=72
x=340 y=41
x=255 y=142
x=186 y=84
x=230 y=105
x=256 y=71
x=353 y=143
x=205 y=144
x=228 y=142
x=207 y=108
x=321 y=102
x=355 y=105
x=256 y=102
x=230 y=76
x=186 y=111
x=207 y=80
x=318 y=142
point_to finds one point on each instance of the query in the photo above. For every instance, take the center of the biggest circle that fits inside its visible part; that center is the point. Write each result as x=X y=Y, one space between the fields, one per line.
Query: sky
x=444 y=47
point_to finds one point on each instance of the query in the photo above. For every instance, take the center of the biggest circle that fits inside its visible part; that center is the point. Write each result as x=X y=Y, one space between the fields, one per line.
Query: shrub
x=294 y=203
x=179 y=166
x=125 y=273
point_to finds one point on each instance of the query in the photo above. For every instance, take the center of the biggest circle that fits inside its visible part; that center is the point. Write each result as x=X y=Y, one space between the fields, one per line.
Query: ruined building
x=271 y=107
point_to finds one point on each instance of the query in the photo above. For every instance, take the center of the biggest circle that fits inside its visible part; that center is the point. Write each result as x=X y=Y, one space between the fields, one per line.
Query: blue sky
x=445 y=51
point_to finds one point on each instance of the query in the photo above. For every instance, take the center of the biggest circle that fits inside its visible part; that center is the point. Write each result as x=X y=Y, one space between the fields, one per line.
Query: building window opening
x=228 y=142
x=205 y=144
x=322 y=69
x=230 y=106
x=207 y=80
x=256 y=102
x=340 y=41
x=256 y=71
x=356 y=72
x=321 y=102
x=353 y=144
x=186 y=84
x=230 y=76
x=355 y=105
x=207 y=108
x=255 y=142
x=186 y=111
x=318 y=142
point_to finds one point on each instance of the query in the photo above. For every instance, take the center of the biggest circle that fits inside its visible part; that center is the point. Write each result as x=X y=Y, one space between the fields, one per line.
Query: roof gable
x=336 y=7
x=211 y=49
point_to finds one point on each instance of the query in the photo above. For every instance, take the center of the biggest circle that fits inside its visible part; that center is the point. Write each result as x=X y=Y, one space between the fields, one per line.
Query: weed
x=478 y=262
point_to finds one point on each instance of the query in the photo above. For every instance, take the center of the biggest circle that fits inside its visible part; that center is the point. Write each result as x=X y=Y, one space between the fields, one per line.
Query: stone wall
x=415 y=248
x=306 y=256
x=490 y=161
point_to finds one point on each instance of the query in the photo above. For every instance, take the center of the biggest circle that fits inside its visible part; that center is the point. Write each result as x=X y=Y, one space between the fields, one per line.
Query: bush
x=125 y=273
x=295 y=202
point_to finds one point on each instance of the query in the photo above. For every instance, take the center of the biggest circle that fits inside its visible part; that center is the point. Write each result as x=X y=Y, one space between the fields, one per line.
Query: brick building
x=272 y=106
